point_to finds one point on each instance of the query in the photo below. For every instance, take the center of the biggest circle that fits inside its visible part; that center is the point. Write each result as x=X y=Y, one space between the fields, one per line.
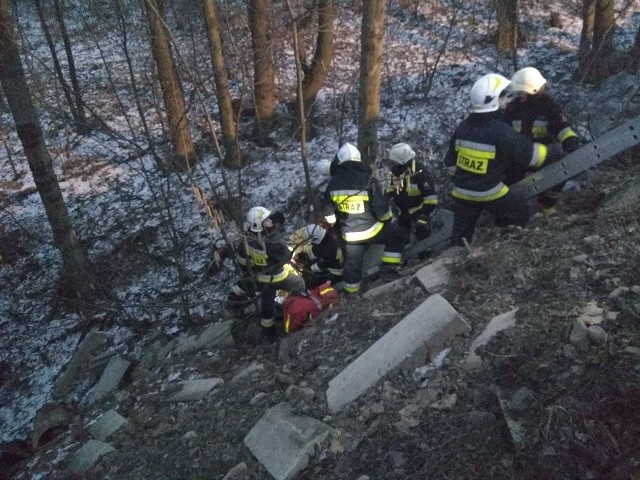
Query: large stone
x=431 y=324
x=88 y=455
x=110 y=379
x=495 y=325
x=215 y=335
x=106 y=425
x=516 y=426
x=435 y=276
x=283 y=441
x=88 y=349
x=192 y=390
x=50 y=416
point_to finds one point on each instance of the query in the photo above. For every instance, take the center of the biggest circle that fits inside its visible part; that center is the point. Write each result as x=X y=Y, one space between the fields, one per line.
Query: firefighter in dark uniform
x=482 y=148
x=269 y=256
x=318 y=252
x=411 y=188
x=534 y=113
x=355 y=203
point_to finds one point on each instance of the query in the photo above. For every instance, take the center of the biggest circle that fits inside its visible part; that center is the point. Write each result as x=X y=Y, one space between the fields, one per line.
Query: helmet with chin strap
x=255 y=217
x=487 y=91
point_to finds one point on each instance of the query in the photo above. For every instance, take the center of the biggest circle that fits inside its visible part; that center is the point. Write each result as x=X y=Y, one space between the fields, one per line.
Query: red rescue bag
x=299 y=309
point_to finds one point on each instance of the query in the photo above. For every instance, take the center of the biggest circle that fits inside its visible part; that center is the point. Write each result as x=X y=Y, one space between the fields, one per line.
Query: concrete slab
x=106 y=425
x=192 y=390
x=435 y=276
x=111 y=377
x=88 y=455
x=495 y=325
x=398 y=284
x=430 y=324
x=283 y=441
x=215 y=335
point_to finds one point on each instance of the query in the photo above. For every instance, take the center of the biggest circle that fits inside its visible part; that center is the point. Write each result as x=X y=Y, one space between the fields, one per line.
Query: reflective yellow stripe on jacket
x=474 y=157
x=494 y=193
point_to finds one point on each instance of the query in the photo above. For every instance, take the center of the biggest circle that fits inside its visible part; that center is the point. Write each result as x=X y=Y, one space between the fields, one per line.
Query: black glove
x=571 y=144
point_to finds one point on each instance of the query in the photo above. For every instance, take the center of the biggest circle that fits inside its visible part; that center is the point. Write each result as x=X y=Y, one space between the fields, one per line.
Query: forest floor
x=577 y=396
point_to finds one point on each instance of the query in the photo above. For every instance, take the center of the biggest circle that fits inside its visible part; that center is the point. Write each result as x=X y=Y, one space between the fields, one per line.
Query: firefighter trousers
x=392 y=236
x=508 y=210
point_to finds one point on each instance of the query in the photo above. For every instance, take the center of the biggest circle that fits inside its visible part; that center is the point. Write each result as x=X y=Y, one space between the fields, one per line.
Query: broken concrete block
x=283 y=441
x=215 y=335
x=192 y=390
x=495 y=325
x=239 y=472
x=106 y=425
x=430 y=324
x=53 y=415
x=90 y=346
x=110 y=379
x=516 y=426
x=88 y=455
x=398 y=284
x=435 y=276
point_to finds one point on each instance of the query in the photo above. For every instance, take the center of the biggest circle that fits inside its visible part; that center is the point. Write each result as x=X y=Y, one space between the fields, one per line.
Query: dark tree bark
x=507 y=39
x=82 y=126
x=633 y=58
x=370 y=74
x=232 y=158
x=185 y=154
x=264 y=76
x=76 y=269
x=597 y=51
x=316 y=73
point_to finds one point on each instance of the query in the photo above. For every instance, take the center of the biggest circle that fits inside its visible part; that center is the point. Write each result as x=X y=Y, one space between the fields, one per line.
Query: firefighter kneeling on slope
x=355 y=203
x=318 y=254
x=269 y=258
x=411 y=188
x=482 y=148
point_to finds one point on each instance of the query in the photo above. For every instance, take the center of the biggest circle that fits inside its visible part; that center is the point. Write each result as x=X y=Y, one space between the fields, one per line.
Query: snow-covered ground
x=140 y=224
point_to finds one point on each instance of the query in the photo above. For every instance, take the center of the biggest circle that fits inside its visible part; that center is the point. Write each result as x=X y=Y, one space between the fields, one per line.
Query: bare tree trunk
x=82 y=127
x=507 y=12
x=603 y=49
x=76 y=269
x=264 y=75
x=370 y=75
x=232 y=158
x=586 y=36
x=185 y=153
x=316 y=74
x=301 y=110
x=633 y=61
x=66 y=89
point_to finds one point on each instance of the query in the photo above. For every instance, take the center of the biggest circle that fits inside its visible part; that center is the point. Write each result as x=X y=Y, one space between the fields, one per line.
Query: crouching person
x=319 y=255
x=269 y=258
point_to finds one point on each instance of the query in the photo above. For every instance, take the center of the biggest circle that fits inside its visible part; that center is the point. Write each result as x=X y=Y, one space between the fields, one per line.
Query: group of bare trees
x=313 y=58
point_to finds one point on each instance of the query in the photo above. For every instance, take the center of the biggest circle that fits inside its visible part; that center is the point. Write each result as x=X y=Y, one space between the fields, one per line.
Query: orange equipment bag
x=299 y=309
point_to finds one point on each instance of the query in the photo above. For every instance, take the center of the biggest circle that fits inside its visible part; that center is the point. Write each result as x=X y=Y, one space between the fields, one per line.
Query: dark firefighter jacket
x=269 y=255
x=413 y=193
x=540 y=118
x=479 y=152
x=355 y=202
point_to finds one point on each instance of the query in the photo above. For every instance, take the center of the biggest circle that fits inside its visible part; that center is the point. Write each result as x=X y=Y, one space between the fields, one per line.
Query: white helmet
x=401 y=153
x=314 y=233
x=348 y=153
x=485 y=93
x=255 y=217
x=528 y=80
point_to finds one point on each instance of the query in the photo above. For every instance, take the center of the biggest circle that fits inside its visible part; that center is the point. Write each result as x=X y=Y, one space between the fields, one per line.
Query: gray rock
x=88 y=455
x=215 y=335
x=107 y=425
x=579 y=337
x=597 y=334
x=110 y=379
x=431 y=324
x=283 y=441
x=570 y=352
x=192 y=390
x=523 y=399
x=495 y=325
x=435 y=276
x=239 y=472
x=53 y=415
